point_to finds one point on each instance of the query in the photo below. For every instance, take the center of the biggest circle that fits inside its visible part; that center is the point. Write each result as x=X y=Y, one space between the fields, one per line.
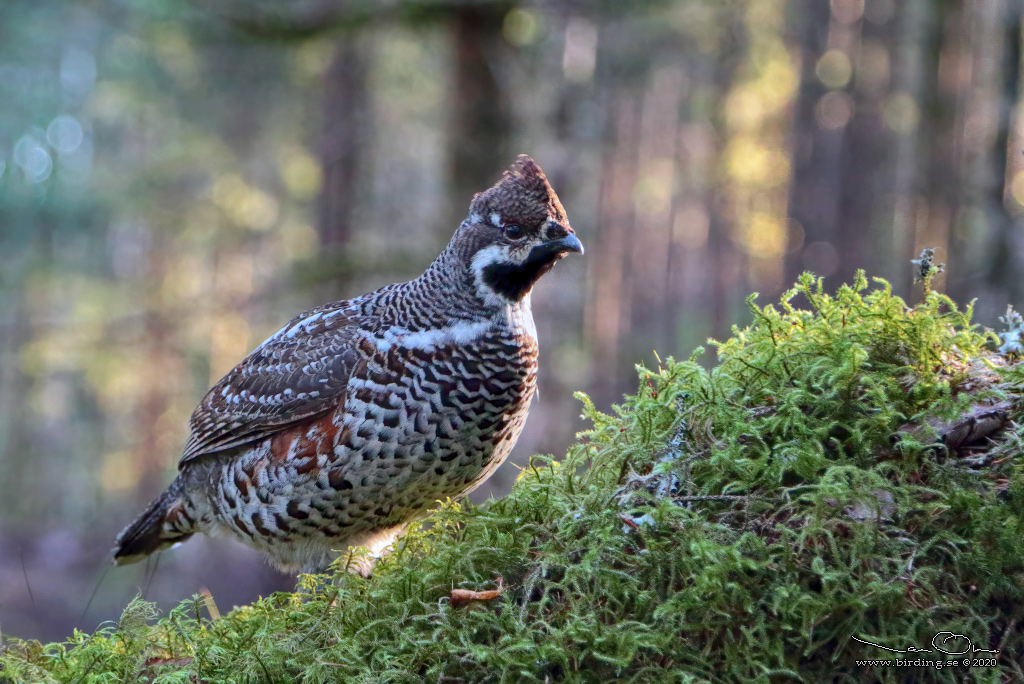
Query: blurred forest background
x=178 y=178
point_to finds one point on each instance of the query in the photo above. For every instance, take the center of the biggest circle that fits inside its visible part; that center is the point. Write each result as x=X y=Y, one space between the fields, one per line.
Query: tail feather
x=162 y=525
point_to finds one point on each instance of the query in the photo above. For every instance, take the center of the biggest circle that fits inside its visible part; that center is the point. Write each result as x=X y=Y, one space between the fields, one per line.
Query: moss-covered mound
x=845 y=484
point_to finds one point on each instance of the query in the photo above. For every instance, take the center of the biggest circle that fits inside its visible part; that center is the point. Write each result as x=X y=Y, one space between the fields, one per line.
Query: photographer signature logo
x=943 y=642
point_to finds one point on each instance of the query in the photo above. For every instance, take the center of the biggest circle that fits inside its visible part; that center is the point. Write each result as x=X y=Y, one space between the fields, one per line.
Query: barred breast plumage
x=358 y=416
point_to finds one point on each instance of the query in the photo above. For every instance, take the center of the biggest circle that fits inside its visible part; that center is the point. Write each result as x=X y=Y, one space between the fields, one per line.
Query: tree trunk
x=814 y=194
x=344 y=155
x=480 y=121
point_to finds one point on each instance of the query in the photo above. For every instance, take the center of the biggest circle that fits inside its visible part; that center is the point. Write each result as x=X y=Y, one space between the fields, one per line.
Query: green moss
x=749 y=522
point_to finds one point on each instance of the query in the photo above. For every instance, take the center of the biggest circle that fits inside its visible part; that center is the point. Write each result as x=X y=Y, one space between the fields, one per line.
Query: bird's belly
x=418 y=429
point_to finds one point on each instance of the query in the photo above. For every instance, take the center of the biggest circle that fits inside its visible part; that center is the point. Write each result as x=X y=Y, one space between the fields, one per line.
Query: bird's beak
x=551 y=251
x=569 y=243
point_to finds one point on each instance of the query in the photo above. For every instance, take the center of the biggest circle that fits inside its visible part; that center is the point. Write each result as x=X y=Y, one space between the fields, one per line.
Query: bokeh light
x=901 y=112
x=834 y=69
x=244 y=205
x=834 y=110
x=64 y=133
x=33 y=159
x=522 y=27
x=821 y=258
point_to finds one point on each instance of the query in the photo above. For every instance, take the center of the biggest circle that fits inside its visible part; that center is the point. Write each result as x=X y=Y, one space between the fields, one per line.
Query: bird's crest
x=523 y=191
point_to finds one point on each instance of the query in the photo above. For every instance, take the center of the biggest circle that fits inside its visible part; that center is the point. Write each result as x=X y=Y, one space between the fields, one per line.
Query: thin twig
x=156 y=564
x=95 y=589
x=27 y=585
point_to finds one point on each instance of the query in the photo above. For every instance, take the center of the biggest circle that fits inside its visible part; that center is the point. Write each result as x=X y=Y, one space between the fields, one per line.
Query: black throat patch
x=514 y=281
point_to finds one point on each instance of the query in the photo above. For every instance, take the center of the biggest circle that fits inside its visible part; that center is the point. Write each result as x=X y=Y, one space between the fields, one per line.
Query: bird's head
x=515 y=232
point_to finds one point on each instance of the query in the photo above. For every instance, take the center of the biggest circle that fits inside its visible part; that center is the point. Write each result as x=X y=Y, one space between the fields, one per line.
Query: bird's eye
x=513 y=231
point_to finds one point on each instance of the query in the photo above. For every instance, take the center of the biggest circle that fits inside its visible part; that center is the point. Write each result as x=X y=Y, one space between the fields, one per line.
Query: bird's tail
x=164 y=523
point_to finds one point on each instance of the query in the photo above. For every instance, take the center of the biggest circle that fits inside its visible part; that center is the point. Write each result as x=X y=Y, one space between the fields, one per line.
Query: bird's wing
x=300 y=372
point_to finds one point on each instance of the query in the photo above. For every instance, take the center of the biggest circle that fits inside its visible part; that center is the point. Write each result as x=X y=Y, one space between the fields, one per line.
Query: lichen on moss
x=848 y=472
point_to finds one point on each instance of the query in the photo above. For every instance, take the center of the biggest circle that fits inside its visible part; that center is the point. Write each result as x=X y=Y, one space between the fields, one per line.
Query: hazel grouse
x=358 y=416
